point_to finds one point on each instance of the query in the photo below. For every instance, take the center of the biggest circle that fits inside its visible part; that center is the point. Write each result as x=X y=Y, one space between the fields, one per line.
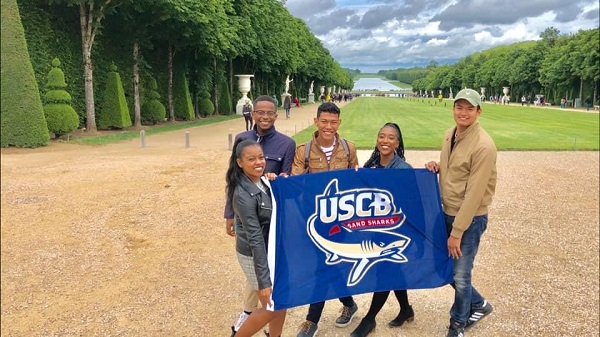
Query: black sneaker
x=478 y=313
x=456 y=330
x=365 y=327
x=346 y=316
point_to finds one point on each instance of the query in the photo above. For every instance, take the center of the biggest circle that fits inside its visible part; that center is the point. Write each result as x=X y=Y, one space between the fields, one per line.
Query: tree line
x=199 y=45
x=556 y=66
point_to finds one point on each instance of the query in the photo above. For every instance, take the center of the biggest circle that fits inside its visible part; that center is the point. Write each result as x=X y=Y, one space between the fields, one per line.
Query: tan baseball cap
x=470 y=95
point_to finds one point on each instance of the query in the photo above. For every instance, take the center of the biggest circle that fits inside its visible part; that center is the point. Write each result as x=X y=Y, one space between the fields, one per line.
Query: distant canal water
x=374 y=84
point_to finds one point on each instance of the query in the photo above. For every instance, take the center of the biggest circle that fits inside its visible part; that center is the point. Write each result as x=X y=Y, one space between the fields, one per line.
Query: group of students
x=467 y=177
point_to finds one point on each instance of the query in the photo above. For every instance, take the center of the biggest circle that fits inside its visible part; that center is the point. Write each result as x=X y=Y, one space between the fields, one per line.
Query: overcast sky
x=373 y=35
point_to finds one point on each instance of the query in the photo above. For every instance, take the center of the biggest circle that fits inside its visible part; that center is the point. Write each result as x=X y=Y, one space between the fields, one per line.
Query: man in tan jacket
x=326 y=151
x=467 y=179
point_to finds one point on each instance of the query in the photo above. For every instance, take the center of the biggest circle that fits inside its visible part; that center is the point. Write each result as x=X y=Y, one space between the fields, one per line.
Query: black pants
x=316 y=309
x=248 y=122
x=379 y=299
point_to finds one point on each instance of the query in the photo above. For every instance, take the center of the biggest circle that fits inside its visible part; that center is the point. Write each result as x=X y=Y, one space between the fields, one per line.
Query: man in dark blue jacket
x=279 y=151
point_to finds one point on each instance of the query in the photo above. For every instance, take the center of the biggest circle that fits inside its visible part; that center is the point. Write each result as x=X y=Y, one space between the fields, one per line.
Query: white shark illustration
x=362 y=252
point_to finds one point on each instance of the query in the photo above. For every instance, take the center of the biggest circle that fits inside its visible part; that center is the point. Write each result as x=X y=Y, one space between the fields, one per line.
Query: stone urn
x=505 y=98
x=244 y=85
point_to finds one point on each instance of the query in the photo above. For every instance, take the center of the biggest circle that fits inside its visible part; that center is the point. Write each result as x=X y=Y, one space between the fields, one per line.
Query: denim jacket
x=253 y=209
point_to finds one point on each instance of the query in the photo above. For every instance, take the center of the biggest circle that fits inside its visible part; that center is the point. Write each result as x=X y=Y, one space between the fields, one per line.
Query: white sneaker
x=243 y=317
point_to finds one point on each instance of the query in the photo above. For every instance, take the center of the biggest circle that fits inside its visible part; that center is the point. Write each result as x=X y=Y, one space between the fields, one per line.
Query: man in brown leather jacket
x=328 y=151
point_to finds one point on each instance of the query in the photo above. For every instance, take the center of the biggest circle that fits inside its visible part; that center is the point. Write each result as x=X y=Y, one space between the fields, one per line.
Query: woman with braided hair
x=389 y=150
x=388 y=154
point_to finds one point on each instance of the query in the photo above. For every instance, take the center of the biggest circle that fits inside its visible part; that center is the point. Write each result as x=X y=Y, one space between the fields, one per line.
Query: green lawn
x=423 y=122
x=369 y=75
x=118 y=136
x=401 y=85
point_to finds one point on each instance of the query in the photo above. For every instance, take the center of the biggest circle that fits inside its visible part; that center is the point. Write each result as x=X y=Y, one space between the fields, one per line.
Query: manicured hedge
x=153 y=111
x=60 y=115
x=205 y=105
x=184 y=110
x=22 y=115
x=225 y=104
x=114 y=112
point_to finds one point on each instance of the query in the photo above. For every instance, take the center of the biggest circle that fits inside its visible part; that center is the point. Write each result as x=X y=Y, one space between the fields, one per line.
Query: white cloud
x=372 y=35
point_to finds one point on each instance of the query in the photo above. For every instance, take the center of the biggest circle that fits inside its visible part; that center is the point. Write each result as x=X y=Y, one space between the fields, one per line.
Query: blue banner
x=341 y=233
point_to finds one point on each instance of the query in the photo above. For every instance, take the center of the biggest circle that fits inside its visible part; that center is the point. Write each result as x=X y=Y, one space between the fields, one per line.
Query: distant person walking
x=247 y=112
x=287 y=105
x=588 y=103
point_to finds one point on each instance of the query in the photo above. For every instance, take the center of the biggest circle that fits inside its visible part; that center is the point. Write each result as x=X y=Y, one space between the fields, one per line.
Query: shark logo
x=357 y=226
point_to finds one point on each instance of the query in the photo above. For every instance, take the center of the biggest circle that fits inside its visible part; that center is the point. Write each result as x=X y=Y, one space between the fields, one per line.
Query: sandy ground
x=120 y=240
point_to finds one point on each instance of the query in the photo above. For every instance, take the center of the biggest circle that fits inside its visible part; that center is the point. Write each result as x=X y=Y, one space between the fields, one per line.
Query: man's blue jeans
x=465 y=295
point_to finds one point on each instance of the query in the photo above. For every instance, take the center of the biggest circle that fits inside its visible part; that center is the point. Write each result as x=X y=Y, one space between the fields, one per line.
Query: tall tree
x=90 y=18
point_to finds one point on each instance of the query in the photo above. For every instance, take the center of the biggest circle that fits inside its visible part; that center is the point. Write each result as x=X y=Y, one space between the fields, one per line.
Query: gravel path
x=117 y=240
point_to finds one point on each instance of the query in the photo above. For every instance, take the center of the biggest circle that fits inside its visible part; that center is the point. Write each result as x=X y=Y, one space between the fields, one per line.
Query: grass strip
x=119 y=136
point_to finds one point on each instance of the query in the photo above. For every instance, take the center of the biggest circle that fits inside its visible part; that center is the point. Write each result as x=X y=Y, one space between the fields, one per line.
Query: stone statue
x=310 y=90
x=287 y=84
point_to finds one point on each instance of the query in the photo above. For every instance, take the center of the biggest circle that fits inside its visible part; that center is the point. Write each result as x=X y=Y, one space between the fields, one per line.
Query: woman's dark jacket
x=252 y=209
x=396 y=163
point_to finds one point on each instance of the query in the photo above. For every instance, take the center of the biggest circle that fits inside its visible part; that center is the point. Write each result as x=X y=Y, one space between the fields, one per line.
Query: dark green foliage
x=114 y=112
x=53 y=31
x=153 y=111
x=181 y=95
x=57 y=96
x=205 y=106
x=61 y=118
x=225 y=105
x=60 y=115
x=22 y=116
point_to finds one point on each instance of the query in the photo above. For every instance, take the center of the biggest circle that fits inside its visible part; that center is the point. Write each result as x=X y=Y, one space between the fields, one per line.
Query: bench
x=303 y=100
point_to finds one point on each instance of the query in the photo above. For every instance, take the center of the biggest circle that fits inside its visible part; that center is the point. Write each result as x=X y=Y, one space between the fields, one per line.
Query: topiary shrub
x=21 y=115
x=153 y=111
x=114 y=112
x=205 y=106
x=184 y=110
x=225 y=105
x=60 y=115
